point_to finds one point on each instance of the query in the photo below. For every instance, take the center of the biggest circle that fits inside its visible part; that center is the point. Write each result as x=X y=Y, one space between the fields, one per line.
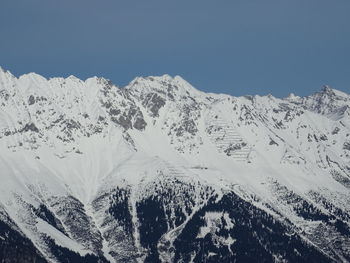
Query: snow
x=59 y=238
x=212 y=225
x=283 y=140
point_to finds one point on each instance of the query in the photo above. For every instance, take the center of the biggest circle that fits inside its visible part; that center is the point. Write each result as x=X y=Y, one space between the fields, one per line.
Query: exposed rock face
x=158 y=171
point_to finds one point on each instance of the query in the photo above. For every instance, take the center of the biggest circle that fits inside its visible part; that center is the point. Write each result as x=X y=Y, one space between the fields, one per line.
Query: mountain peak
x=327 y=101
x=327 y=90
x=292 y=97
x=5 y=72
x=173 y=86
x=331 y=92
x=32 y=76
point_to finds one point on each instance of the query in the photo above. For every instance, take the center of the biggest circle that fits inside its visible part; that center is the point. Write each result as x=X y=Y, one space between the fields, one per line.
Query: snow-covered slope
x=159 y=171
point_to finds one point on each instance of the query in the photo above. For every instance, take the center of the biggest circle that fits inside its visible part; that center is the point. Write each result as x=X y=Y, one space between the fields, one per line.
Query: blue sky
x=235 y=46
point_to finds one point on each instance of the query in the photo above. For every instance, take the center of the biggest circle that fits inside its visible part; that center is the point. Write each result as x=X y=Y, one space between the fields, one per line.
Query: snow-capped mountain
x=159 y=171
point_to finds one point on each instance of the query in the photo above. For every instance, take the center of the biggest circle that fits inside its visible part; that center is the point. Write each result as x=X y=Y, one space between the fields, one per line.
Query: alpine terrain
x=158 y=171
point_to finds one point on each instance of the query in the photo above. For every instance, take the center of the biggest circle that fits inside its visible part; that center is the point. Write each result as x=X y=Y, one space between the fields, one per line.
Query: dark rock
x=154 y=102
x=335 y=131
x=346 y=146
x=45 y=214
x=272 y=142
x=31 y=100
x=29 y=127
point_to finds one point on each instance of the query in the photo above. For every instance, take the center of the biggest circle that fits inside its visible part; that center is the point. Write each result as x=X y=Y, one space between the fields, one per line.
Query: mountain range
x=158 y=171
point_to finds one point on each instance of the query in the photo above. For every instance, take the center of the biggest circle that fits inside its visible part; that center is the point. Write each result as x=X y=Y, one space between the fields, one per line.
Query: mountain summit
x=158 y=171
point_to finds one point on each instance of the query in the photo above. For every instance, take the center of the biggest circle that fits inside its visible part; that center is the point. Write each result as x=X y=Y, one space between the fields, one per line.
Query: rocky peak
x=327 y=101
x=166 y=86
x=327 y=90
x=328 y=94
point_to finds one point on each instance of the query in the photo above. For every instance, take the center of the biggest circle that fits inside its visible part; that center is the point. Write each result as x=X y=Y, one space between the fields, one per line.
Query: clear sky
x=227 y=46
